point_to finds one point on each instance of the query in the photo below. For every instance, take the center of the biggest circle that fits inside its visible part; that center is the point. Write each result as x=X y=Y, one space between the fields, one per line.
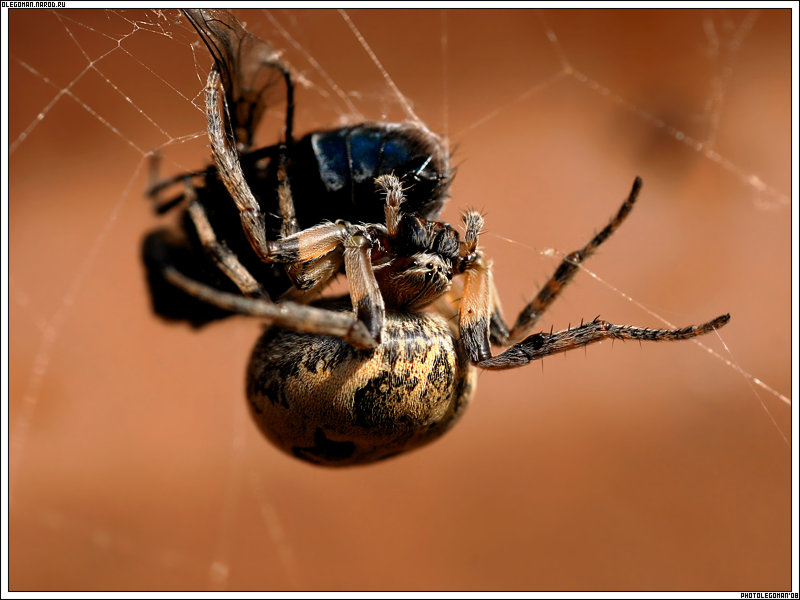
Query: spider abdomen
x=319 y=399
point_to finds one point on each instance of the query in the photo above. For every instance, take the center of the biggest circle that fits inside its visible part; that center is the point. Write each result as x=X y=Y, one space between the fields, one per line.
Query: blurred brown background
x=134 y=464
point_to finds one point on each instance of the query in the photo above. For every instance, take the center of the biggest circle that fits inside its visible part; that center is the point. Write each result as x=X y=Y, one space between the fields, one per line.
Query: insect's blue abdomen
x=347 y=161
x=363 y=153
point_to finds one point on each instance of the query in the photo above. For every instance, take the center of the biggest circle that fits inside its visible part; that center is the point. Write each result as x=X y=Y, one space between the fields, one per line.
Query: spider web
x=133 y=463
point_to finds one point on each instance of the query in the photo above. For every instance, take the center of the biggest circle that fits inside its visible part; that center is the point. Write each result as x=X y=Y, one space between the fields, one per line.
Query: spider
x=336 y=382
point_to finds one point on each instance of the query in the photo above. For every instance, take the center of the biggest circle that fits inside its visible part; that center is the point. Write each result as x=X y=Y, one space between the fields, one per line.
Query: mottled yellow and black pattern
x=322 y=400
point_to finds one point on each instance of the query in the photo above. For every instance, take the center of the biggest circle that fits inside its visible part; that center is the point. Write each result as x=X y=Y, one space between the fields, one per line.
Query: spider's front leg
x=230 y=171
x=324 y=247
x=335 y=242
x=478 y=308
x=306 y=273
x=307 y=276
x=321 y=244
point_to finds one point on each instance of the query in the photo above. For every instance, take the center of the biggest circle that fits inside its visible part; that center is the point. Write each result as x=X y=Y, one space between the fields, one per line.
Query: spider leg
x=310 y=277
x=313 y=242
x=364 y=291
x=448 y=304
x=289 y=224
x=567 y=269
x=307 y=276
x=539 y=345
x=394 y=198
x=229 y=169
x=475 y=313
x=157 y=185
x=302 y=246
x=289 y=315
x=317 y=243
x=473 y=223
x=477 y=310
x=320 y=245
x=498 y=330
x=365 y=294
x=226 y=261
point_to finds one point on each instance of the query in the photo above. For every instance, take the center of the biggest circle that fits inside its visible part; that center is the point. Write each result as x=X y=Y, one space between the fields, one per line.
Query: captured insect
x=262 y=231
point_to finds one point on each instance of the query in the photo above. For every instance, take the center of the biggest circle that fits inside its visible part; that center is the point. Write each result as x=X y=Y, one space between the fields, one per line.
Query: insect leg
x=567 y=269
x=540 y=345
x=288 y=131
x=157 y=185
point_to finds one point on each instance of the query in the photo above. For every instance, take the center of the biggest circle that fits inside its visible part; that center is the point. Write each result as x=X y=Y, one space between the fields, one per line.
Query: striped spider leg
x=480 y=321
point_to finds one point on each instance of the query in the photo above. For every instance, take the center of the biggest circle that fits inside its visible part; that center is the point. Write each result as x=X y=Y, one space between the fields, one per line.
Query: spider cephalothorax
x=413 y=259
x=337 y=382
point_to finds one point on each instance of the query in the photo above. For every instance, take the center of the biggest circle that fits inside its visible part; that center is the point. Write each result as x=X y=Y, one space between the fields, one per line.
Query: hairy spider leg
x=289 y=315
x=477 y=311
x=226 y=261
x=298 y=246
x=308 y=276
x=322 y=240
x=393 y=190
x=364 y=291
x=448 y=305
x=539 y=345
x=230 y=171
x=362 y=330
x=563 y=274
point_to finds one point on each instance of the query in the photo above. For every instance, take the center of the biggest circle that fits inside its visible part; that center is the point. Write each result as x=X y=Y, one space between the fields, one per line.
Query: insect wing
x=249 y=67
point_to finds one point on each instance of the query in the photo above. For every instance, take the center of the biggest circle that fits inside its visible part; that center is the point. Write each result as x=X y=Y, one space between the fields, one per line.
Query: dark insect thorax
x=333 y=172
